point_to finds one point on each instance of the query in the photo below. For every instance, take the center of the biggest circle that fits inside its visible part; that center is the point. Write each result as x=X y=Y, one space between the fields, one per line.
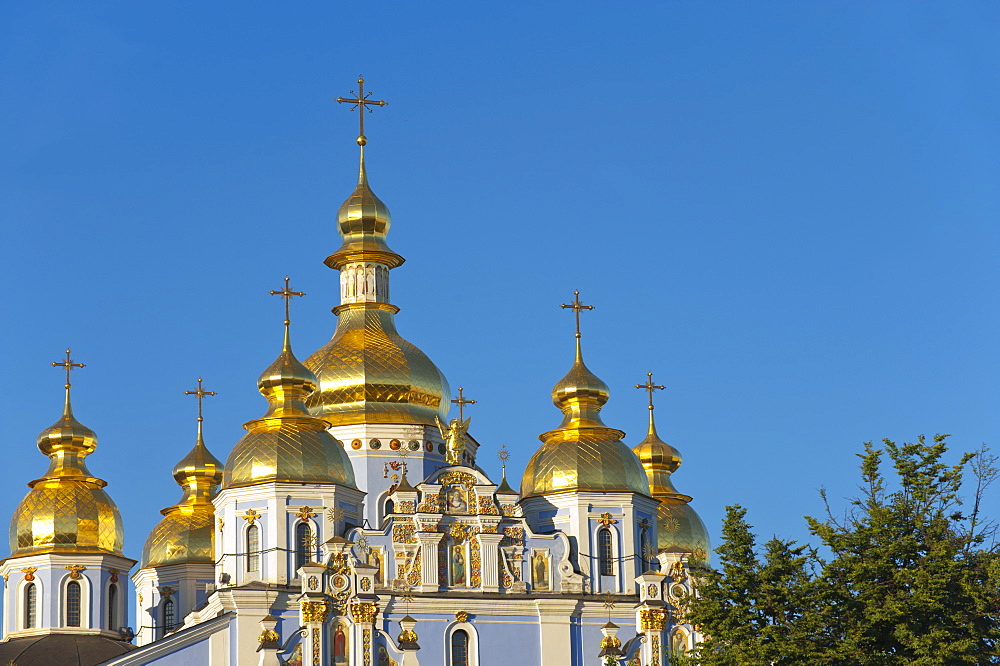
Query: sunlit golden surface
x=67 y=510
x=187 y=529
x=679 y=528
x=369 y=374
x=582 y=454
x=287 y=444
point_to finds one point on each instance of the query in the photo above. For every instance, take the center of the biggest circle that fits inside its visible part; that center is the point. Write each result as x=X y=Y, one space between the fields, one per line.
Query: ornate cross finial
x=286 y=293
x=201 y=393
x=650 y=387
x=69 y=365
x=462 y=401
x=576 y=306
x=609 y=603
x=503 y=455
x=360 y=102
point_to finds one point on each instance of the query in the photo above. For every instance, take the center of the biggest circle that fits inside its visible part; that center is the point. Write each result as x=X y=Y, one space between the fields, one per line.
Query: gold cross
x=286 y=293
x=360 y=102
x=650 y=387
x=201 y=393
x=69 y=365
x=461 y=401
x=576 y=306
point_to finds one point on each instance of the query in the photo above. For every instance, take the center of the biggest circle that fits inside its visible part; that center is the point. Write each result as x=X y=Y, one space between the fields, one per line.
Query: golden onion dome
x=186 y=532
x=679 y=528
x=363 y=221
x=367 y=372
x=287 y=444
x=582 y=454
x=67 y=510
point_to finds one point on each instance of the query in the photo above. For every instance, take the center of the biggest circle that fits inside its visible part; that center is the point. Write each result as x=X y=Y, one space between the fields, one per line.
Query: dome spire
x=650 y=387
x=199 y=472
x=66 y=510
x=582 y=454
x=679 y=528
x=287 y=443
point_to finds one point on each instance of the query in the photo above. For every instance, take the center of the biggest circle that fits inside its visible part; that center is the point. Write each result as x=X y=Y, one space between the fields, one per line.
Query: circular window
x=414 y=445
x=375 y=444
x=441 y=449
x=356 y=444
x=430 y=446
x=394 y=445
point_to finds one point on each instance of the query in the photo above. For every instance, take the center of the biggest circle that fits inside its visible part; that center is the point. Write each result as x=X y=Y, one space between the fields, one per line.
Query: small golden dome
x=582 y=454
x=364 y=222
x=186 y=532
x=369 y=374
x=679 y=528
x=67 y=510
x=287 y=444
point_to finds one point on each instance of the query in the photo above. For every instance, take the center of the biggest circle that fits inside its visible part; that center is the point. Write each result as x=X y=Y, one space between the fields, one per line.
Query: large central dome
x=367 y=373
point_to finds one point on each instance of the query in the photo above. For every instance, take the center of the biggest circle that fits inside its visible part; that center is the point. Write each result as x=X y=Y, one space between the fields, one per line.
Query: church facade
x=352 y=526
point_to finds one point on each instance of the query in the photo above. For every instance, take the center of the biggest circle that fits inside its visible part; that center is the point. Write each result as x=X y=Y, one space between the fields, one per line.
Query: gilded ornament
x=222 y=524
x=317 y=648
x=75 y=569
x=305 y=513
x=268 y=636
x=606 y=519
x=364 y=612
x=114 y=575
x=408 y=636
x=166 y=591
x=652 y=590
x=335 y=514
x=366 y=584
x=652 y=619
x=250 y=516
x=314 y=611
x=313 y=583
x=462 y=616
x=610 y=642
x=29 y=573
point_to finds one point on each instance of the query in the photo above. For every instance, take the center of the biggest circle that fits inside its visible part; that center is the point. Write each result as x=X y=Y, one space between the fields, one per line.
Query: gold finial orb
x=362 y=141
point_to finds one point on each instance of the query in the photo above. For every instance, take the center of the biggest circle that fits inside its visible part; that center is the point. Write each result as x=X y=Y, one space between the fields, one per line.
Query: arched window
x=253 y=548
x=30 y=606
x=460 y=648
x=169 y=617
x=303 y=544
x=73 y=604
x=112 y=607
x=604 y=552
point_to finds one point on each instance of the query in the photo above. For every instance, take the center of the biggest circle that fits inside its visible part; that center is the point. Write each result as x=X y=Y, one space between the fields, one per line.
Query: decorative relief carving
x=513 y=536
x=250 y=516
x=462 y=616
x=607 y=519
x=487 y=507
x=652 y=619
x=306 y=512
x=315 y=611
x=364 y=612
x=75 y=569
x=29 y=573
x=404 y=533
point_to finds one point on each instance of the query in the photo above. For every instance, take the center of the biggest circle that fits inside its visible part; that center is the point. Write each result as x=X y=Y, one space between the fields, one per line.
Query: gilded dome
x=363 y=222
x=679 y=528
x=186 y=532
x=582 y=454
x=369 y=374
x=67 y=510
x=287 y=444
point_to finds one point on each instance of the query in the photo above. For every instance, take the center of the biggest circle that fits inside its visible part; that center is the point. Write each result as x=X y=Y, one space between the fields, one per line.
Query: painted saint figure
x=340 y=646
x=458 y=565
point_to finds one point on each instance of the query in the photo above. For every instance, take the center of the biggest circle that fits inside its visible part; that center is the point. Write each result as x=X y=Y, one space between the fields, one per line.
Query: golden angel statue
x=454 y=438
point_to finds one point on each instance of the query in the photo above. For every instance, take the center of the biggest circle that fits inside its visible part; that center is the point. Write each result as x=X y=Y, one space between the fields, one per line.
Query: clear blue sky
x=786 y=210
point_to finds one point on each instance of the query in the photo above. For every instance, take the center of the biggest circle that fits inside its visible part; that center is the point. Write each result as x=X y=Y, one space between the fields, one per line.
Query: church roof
x=62 y=649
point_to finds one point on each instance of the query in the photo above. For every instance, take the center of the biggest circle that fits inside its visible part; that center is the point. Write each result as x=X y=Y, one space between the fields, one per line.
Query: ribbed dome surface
x=369 y=374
